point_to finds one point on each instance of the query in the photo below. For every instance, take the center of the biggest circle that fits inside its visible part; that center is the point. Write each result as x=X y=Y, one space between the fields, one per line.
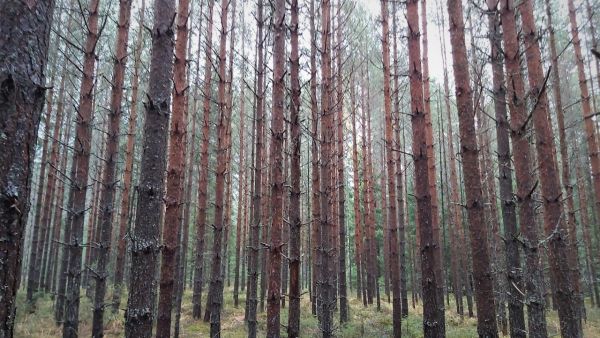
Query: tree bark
x=391 y=171
x=565 y=280
x=326 y=224
x=24 y=42
x=484 y=295
x=175 y=175
x=109 y=181
x=204 y=169
x=214 y=299
x=505 y=181
x=128 y=169
x=146 y=233
x=81 y=157
x=433 y=318
x=295 y=172
x=254 y=231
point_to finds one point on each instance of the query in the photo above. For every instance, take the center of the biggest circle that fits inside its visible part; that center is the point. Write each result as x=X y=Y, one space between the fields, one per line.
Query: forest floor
x=364 y=322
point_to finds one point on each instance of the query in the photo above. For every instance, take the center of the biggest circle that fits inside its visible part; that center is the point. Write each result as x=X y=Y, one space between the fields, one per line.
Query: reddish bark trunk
x=81 y=157
x=565 y=280
x=175 y=173
x=295 y=172
x=254 y=231
x=204 y=169
x=433 y=319
x=109 y=181
x=391 y=170
x=128 y=169
x=483 y=280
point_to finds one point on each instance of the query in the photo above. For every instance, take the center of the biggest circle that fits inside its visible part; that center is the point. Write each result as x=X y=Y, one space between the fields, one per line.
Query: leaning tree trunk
x=483 y=279
x=145 y=235
x=175 y=175
x=109 y=176
x=81 y=158
x=24 y=40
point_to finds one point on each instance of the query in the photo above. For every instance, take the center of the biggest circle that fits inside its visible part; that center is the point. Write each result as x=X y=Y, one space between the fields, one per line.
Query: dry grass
x=364 y=322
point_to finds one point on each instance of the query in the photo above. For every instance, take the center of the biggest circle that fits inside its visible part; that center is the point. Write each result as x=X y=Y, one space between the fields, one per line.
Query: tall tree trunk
x=81 y=157
x=293 y=330
x=565 y=280
x=326 y=224
x=484 y=295
x=586 y=108
x=391 y=170
x=124 y=215
x=523 y=171
x=435 y=221
x=254 y=231
x=505 y=181
x=109 y=181
x=242 y=184
x=24 y=41
x=33 y=274
x=566 y=171
x=204 y=169
x=214 y=299
x=314 y=160
x=433 y=318
x=358 y=235
x=341 y=180
x=276 y=170
x=146 y=233
x=175 y=173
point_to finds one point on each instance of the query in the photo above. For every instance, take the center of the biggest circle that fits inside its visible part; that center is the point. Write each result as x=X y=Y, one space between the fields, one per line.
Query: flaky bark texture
x=24 y=39
x=391 y=171
x=109 y=176
x=483 y=280
x=565 y=281
x=175 y=175
x=295 y=170
x=433 y=318
x=124 y=215
x=81 y=158
x=204 y=169
x=505 y=181
x=145 y=235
